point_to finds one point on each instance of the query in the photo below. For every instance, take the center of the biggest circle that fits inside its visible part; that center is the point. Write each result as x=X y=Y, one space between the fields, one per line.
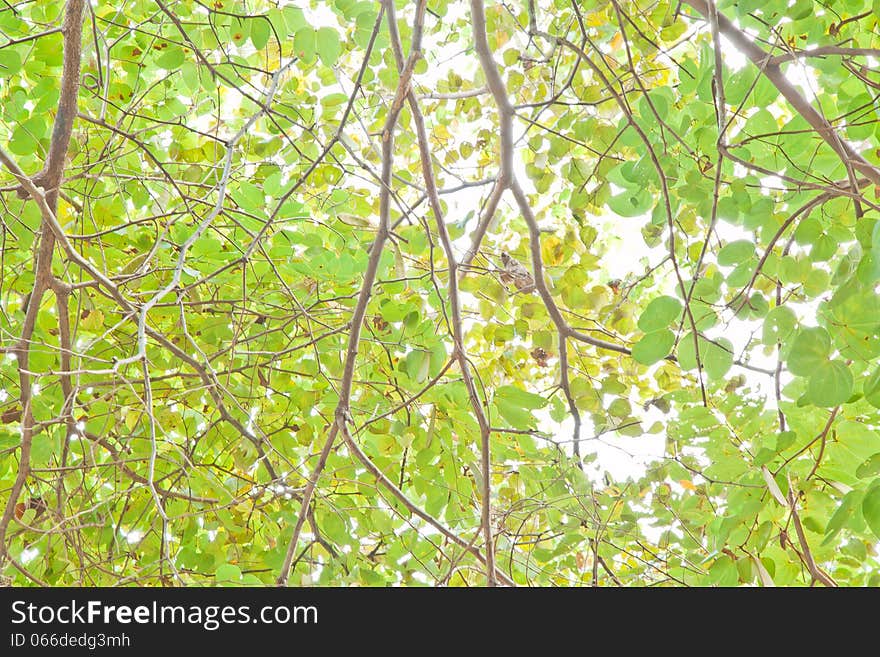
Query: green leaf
x=328 y=46
x=716 y=356
x=172 y=58
x=872 y=389
x=10 y=62
x=808 y=230
x=736 y=252
x=43 y=450
x=227 y=574
x=334 y=527
x=801 y=9
x=520 y=398
x=762 y=122
x=723 y=572
x=416 y=364
x=830 y=384
x=23 y=142
x=660 y=313
x=515 y=406
x=631 y=203
x=778 y=325
x=294 y=18
x=687 y=351
x=260 y=33
x=653 y=347
x=305 y=44
x=871 y=509
x=840 y=517
x=869 y=468
x=809 y=351
x=189 y=72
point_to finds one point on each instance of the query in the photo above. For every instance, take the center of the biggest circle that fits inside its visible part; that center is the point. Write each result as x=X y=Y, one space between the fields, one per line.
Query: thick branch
x=50 y=178
x=460 y=352
x=357 y=318
x=817 y=573
x=765 y=62
x=53 y=169
x=498 y=90
x=825 y=51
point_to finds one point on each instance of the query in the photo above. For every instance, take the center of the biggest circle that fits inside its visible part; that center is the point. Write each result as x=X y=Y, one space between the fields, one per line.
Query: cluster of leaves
x=225 y=174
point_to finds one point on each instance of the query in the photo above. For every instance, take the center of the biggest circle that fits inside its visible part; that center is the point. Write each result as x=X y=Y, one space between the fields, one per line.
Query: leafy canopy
x=261 y=330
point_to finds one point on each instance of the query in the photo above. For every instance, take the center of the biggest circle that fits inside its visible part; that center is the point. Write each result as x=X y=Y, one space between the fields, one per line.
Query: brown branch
x=824 y=51
x=134 y=476
x=30 y=37
x=460 y=352
x=342 y=408
x=49 y=178
x=485 y=220
x=498 y=90
x=764 y=62
x=412 y=508
x=62 y=297
x=817 y=573
x=572 y=406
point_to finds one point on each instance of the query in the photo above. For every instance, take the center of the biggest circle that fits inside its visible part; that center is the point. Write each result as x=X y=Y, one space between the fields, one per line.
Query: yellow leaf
x=65 y=212
x=92 y=320
x=553 y=251
x=441 y=133
x=687 y=483
x=596 y=19
x=131 y=419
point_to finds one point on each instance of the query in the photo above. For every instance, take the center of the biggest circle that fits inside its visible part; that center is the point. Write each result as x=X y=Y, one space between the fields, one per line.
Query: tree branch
x=49 y=178
x=342 y=408
x=765 y=63
x=460 y=351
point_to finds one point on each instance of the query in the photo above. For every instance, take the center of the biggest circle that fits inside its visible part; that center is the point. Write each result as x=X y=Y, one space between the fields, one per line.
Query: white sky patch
x=804 y=77
x=28 y=555
x=132 y=536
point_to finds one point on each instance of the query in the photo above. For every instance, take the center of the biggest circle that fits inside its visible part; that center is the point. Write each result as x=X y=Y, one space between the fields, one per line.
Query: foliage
x=239 y=353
